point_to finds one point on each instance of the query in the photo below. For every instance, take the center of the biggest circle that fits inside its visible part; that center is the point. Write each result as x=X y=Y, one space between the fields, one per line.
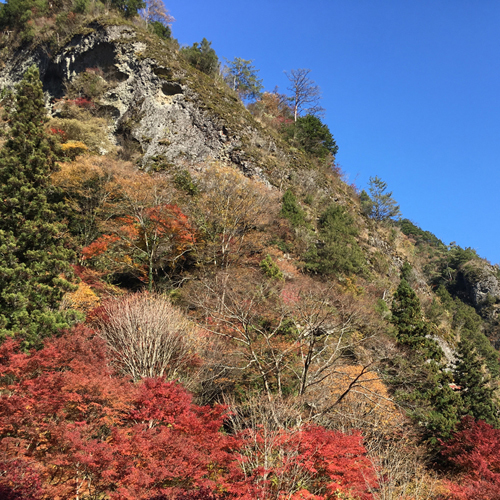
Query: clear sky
x=411 y=91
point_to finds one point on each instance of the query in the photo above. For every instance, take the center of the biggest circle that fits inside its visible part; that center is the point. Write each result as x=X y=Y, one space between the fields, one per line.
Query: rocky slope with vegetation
x=195 y=305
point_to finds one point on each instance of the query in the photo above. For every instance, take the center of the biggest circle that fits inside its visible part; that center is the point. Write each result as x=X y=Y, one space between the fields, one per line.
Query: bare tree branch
x=305 y=93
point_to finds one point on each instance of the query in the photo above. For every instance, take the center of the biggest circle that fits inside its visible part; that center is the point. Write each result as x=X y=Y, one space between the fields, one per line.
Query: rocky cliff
x=170 y=111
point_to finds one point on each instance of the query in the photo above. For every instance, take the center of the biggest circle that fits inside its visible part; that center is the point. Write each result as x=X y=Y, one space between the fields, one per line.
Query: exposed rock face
x=481 y=282
x=149 y=102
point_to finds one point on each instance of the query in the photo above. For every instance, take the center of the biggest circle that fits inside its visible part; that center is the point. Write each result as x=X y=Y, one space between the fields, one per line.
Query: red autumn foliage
x=474 y=452
x=329 y=464
x=70 y=423
x=61 y=134
x=147 y=240
x=99 y=246
x=70 y=427
x=81 y=102
x=19 y=481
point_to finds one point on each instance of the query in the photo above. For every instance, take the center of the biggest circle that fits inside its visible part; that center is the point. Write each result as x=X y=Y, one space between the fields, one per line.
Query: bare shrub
x=149 y=337
x=402 y=472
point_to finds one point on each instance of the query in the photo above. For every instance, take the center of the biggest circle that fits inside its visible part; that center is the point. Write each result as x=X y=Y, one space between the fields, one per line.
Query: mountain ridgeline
x=194 y=304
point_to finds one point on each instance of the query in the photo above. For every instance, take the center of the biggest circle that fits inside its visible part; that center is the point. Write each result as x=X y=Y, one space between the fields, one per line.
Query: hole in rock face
x=53 y=81
x=169 y=88
x=101 y=56
x=108 y=111
x=112 y=74
x=163 y=72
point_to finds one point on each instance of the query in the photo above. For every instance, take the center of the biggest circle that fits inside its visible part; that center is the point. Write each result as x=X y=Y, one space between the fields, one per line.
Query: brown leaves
x=231 y=206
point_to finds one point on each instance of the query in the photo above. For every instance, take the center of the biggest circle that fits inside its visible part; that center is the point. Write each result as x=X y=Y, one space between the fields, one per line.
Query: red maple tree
x=70 y=427
x=75 y=428
x=473 y=451
x=145 y=241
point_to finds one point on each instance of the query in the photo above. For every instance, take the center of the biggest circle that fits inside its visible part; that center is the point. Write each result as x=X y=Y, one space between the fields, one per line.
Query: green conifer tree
x=407 y=317
x=366 y=203
x=202 y=56
x=384 y=206
x=313 y=136
x=290 y=209
x=435 y=404
x=444 y=403
x=471 y=376
x=34 y=264
x=338 y=251
x=241 y=76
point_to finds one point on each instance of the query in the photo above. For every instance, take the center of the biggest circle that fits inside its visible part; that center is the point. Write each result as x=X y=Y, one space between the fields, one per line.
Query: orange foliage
x=99 y=246
x=145 y=241
x=230 y=207
x=366 y=403
x=83 y=299
x=72 y=149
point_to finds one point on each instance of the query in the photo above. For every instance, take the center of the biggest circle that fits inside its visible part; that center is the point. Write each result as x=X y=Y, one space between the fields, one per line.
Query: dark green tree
x=471 y=376
x=160 y=29
x=366 y=203
x=338 y=251
x=241 y=76
x=34 y=264
x=406 y=316
x=291 y=210
x=444 y=403
x=428 y=390
x=384 y=206
x=313 y=136
x=202 y=56
x=129 y=8
x=15 y=15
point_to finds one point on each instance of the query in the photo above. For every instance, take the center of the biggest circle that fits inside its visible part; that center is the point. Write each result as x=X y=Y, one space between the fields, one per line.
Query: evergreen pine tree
x=407 y=317
x=470 y=375
x=384 y=206
x=435 y=404
x=291 y=210
x=34 y=265
x=366 y=203
x=445 y=403
x=202 y=56
x=338 y=251
x=241 y=76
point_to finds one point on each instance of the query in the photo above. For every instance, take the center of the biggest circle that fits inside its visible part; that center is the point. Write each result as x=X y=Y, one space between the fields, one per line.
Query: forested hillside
x=195 y=305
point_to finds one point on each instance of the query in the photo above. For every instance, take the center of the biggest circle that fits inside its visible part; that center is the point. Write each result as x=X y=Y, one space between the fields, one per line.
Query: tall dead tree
x=305 y=93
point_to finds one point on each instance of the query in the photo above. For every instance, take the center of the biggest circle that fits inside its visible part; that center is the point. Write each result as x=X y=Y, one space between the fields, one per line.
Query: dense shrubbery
x=70 y=426
x=313 y=136
x=420 y=236
x=202 y=56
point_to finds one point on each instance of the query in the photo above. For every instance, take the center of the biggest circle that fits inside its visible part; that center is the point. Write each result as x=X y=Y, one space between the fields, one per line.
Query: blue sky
x=411 y=92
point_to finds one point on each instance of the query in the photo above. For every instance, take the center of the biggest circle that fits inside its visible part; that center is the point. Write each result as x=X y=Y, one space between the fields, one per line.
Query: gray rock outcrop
x=481 y=282
x=149 y=100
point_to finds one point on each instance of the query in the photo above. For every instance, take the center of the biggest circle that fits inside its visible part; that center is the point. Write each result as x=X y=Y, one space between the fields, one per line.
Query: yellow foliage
x=74 y=145
x=231 y=206
x=352 y=287
x=83 y=299
x=72 y=149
